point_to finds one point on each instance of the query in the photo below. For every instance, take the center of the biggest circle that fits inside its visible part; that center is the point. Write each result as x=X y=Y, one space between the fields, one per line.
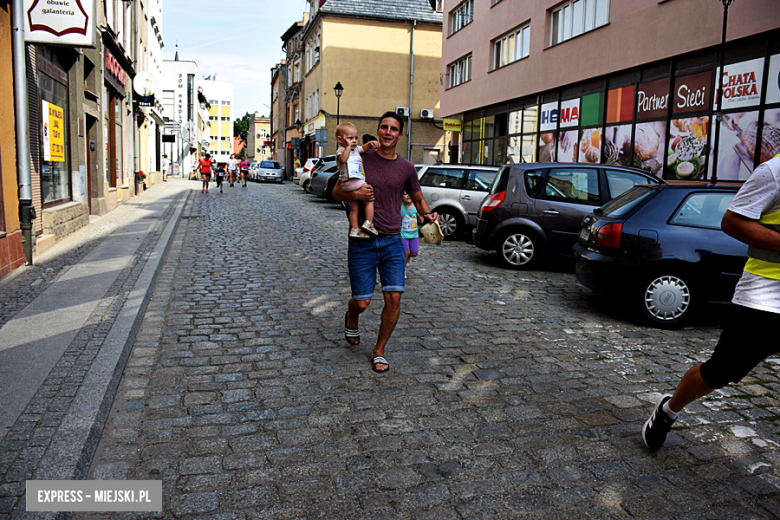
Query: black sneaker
x=657 y=426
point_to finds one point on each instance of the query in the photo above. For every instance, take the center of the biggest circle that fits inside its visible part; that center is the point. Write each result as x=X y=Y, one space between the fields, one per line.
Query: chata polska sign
x=60 y=22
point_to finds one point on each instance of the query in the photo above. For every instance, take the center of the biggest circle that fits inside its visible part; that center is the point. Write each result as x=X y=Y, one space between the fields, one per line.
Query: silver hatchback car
x=269 y=171
x=455 y=192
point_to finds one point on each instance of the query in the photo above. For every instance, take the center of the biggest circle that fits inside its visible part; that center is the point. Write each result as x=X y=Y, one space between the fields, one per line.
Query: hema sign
x=60 y=22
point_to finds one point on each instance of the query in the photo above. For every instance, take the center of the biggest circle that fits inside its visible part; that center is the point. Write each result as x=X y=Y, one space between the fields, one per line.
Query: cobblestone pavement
x=511 y=394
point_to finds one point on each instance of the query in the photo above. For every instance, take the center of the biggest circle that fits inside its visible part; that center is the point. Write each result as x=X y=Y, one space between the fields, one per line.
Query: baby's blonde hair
x=342 y=128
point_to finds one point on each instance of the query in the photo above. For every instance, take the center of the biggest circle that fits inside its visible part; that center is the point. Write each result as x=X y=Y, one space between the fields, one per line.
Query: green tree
x=241 y=126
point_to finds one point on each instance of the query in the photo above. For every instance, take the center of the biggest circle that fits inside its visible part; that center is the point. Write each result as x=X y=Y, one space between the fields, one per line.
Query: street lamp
x=719 y=93
x=339 y=90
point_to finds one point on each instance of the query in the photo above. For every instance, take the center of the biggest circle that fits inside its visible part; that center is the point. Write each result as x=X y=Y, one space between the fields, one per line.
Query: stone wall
x=63 y=220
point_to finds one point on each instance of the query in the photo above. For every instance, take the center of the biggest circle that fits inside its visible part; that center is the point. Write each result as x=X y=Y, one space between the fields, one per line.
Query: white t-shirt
x=232 y=164
x=165 y=165
x=759 y=195
x=353 y=168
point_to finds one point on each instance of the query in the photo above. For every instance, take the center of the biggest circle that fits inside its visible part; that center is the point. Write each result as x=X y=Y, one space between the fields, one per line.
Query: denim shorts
x=364 y=256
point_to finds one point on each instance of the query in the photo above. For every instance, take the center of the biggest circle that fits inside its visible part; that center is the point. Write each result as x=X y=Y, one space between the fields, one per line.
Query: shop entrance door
x=92 y=157
x=112 y=163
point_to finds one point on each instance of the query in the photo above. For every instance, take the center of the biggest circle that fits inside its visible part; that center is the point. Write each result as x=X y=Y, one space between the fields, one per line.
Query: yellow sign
x=452 y=125
x=53 y=132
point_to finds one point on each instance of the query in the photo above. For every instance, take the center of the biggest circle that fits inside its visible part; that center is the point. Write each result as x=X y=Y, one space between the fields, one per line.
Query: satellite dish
x=145 y=84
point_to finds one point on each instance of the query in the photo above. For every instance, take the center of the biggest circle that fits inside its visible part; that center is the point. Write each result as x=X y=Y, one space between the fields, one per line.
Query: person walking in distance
x=244 y=168
x=750 y=335
x=165 y=165
x=410 y=234
x=352 y=176
x=219 y=172
x=205 y=172
x=232 y=165
x=387 y=177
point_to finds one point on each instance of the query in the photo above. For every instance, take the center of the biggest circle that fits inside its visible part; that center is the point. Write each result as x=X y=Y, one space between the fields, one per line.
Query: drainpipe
x=133 y=107
x=26 y=209
x=411 y=91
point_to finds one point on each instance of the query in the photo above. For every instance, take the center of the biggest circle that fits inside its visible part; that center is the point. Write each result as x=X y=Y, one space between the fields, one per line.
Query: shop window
x=54 y=141
x=462 y=16
x=577 y=17
x=511 y=47
x=460 y=71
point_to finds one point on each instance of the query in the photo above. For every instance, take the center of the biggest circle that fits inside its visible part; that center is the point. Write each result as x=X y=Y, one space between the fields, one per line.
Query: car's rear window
x=269 y=164
x=626 y=204
x=500 y=181
x=703 y=210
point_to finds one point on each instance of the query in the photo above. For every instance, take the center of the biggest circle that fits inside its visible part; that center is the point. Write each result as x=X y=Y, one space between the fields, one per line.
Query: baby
x=353 y=176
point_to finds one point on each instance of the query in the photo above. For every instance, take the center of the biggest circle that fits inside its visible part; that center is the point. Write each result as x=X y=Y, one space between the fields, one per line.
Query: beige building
x=278 y=75
x=629 y=82
x=386 y=55
x=259 y=145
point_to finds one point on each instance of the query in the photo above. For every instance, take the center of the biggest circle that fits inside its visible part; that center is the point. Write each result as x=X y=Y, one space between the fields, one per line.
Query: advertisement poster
x=737 y=144
x=590 y=146
x=691 y=93
x=592 y=109
x=616 y=145
x=568 y=145
x=547 y=147
x=773 y=81
x=770 y=138
x=53 y=121
x=741 y=84
x=648 y=146
x=529 y=148
x=652 y=99
x=687 y=153
x=570 y=113
x=620 y=104
x=548 y=118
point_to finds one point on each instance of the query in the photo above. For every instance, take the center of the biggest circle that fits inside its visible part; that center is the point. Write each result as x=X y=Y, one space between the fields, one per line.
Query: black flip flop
x=350 y=333
x=379 y=360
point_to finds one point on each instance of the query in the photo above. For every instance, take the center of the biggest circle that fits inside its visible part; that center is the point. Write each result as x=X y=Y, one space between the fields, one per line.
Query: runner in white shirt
x=750 y=335
x=232 y=164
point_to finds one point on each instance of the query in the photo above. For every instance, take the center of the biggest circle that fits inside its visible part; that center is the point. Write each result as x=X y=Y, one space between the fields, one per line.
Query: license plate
x=585 y=234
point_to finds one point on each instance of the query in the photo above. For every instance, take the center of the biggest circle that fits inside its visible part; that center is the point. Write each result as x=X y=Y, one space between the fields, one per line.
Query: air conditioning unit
x=402 y=111
x=426 y=113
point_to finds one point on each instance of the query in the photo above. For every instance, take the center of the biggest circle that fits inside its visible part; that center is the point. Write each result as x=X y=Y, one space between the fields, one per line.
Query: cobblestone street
x=510 y=395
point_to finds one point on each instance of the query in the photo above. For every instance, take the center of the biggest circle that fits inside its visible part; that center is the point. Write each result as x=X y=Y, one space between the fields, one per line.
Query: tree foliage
x=241 y=126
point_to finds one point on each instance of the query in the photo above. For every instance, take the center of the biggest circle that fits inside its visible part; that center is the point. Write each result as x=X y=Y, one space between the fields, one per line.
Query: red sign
x=620 y=104
x=652 y=99
x=114 y=67
x=692 y=93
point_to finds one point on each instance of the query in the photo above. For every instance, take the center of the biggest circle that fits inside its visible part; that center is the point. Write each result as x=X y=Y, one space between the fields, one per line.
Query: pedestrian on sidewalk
x=387 y=176
x=750 y=335
x=244 y=167
x=205 y=172
x=410 y=234
x=165 y=165
x=232 y=165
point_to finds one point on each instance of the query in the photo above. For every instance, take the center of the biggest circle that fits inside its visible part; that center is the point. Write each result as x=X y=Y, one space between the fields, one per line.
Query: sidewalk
x=66 y=327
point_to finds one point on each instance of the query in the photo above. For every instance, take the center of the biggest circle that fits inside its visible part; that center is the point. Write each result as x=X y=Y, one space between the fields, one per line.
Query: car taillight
x=609 y=235
x=493 y=201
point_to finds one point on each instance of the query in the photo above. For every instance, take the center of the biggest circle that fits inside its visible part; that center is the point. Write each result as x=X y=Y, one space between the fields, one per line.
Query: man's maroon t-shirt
x=389 y=178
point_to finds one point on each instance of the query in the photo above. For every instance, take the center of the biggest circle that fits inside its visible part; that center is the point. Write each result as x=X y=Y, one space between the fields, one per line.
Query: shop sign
x=773 y=87
x=53 y=132
x=60 y=22
x=452 y=125
x=548 y=117
x=620 y=104
x=652 y=99
x=692 y=93
x=592 y=109
x=570 y=113
x=741 y=84
x=114 y=67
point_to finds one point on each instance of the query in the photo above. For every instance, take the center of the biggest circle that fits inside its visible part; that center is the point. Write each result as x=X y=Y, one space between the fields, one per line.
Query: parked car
x=269 y=171
x=535 y=209
x=306 y=173
x=252 y=171
x=662 y=247
x=455 y=192
x=324 y=179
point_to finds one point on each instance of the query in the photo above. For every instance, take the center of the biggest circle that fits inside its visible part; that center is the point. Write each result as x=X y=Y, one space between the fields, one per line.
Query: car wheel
x=667 y=300
x=518 y=250
x=306 y=186
x=451 y=223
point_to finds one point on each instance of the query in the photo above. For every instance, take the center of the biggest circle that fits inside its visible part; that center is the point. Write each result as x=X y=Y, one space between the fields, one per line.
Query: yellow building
x=386 y=54
x=259 y=145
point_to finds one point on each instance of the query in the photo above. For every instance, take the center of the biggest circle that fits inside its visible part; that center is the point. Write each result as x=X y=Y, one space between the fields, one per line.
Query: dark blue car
x=662 y=247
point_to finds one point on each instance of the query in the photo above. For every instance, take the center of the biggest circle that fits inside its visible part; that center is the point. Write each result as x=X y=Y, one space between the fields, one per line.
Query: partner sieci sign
x=60 y=22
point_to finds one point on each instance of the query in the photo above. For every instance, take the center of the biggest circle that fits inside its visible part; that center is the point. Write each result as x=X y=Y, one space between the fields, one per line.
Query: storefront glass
x=55 y=177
